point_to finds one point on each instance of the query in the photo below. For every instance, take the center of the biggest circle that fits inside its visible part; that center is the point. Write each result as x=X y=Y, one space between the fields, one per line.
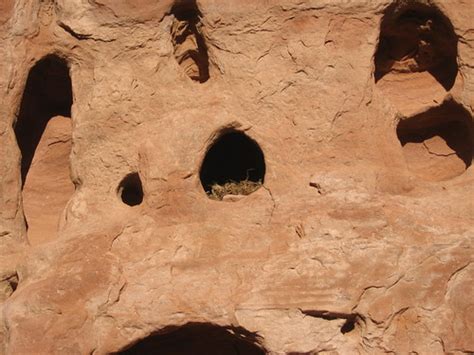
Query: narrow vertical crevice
x=190 y=48
x=43 y=131
x=48 y=93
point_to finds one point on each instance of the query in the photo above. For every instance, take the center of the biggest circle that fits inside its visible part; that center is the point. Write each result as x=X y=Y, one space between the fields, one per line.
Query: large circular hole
x=234 y=165
x=130 y=190
x=198 y=339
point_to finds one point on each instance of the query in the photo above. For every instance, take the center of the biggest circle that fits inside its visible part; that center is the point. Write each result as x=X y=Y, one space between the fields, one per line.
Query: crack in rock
x=437 y=154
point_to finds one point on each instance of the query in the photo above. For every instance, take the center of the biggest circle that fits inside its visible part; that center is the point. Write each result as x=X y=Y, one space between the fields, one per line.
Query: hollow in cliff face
x=43 y=131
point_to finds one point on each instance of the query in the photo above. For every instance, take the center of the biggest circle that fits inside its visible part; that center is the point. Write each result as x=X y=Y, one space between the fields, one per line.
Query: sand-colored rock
x=358 y=236
x=6 y=8
x=48 y=186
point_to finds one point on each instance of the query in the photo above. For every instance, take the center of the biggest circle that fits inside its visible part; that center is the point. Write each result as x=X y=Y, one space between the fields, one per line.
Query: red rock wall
x=355 y=235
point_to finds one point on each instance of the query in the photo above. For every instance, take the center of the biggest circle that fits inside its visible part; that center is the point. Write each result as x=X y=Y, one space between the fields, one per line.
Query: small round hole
x=130 y=190
x=234 y=165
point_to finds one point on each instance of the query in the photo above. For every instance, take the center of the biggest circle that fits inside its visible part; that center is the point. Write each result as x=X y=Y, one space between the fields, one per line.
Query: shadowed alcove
x=198 y=339
x=234 y=164
x=43 y=131
x=438 y=144
x=190 y=48
x=417 y=37
x=130 y=190
x=48 y=93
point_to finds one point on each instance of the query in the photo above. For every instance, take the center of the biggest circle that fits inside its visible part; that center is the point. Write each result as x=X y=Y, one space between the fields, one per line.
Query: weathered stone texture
x=360 y=238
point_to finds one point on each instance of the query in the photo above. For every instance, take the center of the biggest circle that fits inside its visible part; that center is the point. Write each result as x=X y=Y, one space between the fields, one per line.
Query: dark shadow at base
x=198 y=339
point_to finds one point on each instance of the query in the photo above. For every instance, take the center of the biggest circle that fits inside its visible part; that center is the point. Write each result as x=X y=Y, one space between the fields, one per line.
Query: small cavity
x=130 y=190
x=198 y=339
x=13 y=281
x=350 y=318
x=190 y=48
x=416 y=37
x=349 y=325
x=8 y=286
x=438 y=144
x=234 y=165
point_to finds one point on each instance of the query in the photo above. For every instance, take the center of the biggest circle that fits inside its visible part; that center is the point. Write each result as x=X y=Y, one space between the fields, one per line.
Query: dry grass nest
x=244 y=187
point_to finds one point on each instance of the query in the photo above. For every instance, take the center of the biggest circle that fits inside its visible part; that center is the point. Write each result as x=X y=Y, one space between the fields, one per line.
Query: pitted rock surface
x=360 y=238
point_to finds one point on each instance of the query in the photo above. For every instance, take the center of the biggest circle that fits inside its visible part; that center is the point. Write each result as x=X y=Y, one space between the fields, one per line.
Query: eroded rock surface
x=48 y=185
x=358 y=238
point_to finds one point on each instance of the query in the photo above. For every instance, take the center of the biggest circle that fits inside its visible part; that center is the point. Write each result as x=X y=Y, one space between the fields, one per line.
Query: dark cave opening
x=450 y=122
x=198 y=339
x=130 y=190
x=438 y=144
x=48 y=93
x=416 y=37
x=233 y=158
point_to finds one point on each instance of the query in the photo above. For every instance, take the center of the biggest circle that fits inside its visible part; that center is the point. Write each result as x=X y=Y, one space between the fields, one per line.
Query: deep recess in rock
x=13 y=282
x=8 y=285
x=130 y=190
x=190 y=49
x=438 y=144
x=198 y=339
x=416 y=37
x=233 y=158
x=48 y=93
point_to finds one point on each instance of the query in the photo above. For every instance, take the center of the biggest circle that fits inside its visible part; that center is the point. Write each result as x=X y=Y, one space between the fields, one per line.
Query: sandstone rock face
x=223 y=177
x=48 y=187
